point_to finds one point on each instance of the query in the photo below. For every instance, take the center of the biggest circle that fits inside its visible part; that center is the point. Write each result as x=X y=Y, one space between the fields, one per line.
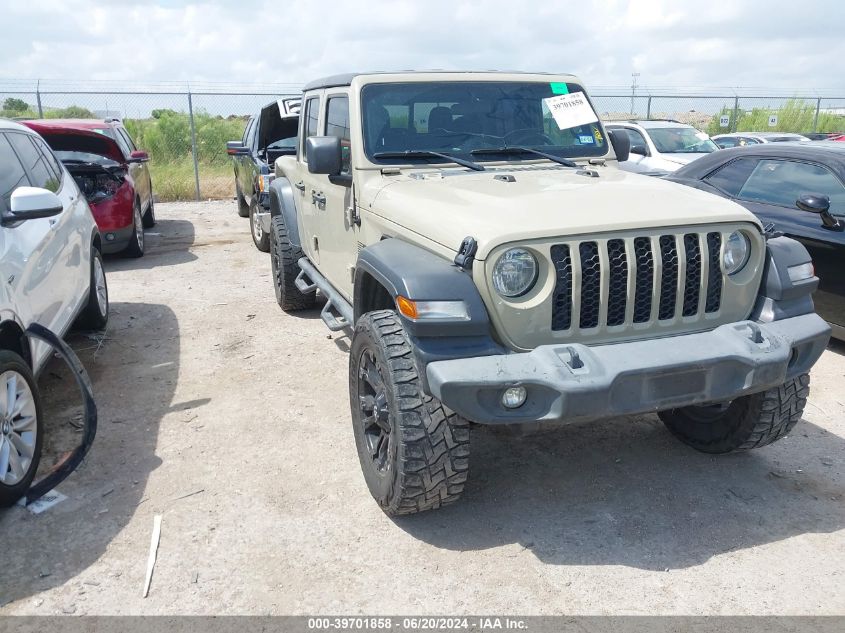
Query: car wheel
x=414 y=452
x=150 y=215
x=284 y=263
x=243 y=207
x=259 y=237
x=95 y=314
x=135 y=248
x=748 y=422
x=20 y=427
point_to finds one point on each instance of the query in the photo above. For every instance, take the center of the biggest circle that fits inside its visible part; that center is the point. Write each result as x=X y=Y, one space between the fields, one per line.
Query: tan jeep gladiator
x=494 y=265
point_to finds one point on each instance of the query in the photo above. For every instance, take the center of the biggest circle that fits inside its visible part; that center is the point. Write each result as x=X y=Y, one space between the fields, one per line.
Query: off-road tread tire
x=285 y=258
x=90 y=317
x=243 y=207
x=264 y=243
x=10 y=494
x=431 y=460
x=750 y=422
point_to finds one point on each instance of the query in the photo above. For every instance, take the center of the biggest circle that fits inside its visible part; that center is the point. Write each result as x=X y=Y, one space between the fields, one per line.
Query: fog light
x=514 y=397
x=110 y=237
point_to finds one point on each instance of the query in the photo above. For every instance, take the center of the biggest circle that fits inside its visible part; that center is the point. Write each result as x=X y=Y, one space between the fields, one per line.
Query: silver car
x=662 y=146
x=741 y=139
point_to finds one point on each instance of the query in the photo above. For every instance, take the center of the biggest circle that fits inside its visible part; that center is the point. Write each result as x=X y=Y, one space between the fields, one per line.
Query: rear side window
x=337 y=124
x=12 y=174
x=312 y=115
x=731 y=177
x=35 y=163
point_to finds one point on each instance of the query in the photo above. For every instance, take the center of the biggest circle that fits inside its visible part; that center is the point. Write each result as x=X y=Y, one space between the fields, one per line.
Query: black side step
x=337 y=314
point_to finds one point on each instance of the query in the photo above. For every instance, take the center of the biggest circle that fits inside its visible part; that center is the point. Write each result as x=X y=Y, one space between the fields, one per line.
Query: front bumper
x=116 y=240
x=574 y=382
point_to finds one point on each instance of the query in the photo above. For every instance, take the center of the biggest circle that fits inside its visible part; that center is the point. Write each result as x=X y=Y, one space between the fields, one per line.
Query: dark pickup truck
x=268 y=134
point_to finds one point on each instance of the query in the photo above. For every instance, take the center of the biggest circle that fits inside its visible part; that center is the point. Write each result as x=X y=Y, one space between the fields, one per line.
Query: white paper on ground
x=571 y=110
x=44 y=503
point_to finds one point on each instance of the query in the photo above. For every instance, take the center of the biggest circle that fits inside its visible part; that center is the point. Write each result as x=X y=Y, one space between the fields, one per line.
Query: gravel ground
x=231 y=419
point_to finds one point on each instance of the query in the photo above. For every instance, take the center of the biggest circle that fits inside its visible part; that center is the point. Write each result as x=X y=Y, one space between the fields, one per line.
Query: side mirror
x=236 y=148
x=31 y=203
x=639 y=150
x=138 y=157
x=621 y=143
x=819 y=203
x=324 y=155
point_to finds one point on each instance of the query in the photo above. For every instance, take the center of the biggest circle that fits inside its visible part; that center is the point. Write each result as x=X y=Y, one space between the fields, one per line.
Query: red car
x=112 y=174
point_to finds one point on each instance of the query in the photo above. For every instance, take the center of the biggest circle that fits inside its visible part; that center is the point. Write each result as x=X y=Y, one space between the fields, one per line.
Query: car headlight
x=515 y=272
x=737 y=252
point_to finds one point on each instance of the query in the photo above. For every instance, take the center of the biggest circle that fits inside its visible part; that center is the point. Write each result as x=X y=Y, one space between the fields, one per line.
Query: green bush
x=795 y=115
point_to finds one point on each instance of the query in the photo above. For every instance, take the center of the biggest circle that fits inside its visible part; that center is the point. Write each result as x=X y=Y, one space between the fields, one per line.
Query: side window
x=121 y=143
x=781 y=182
x=728 y=141
x=52 y=162
x=127 y=139
x=636 y=138
x=12 y=174
x=731 y=177
x=35 y=163
x=250 y=137
x=247 y=129
x=312 y=115
x=337 y=124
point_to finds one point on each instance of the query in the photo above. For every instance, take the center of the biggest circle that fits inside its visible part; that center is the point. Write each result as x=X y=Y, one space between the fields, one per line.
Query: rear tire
x=20 y=434
x=95 y=314
x=259 y=237
x=284 y=258
x=243 y=207
x=135 y=248
x=748 y=422
x=414 y=452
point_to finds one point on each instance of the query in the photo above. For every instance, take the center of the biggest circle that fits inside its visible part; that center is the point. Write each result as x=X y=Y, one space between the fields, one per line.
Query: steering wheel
x=528 y=133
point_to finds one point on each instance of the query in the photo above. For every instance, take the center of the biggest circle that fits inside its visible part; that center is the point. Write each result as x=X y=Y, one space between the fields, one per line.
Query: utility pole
x=633 y=91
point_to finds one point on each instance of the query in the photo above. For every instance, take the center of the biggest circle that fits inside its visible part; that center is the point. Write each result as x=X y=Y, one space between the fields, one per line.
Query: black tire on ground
x=95 y=314
x=259 y=237
x=243 y=207
x=413 y=450
x=149 y=219
x=135 y=247
x=10 y=493
x=283 y=262
x=747 y=422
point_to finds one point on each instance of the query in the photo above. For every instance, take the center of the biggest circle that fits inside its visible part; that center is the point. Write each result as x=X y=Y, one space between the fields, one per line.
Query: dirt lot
x=231 y=419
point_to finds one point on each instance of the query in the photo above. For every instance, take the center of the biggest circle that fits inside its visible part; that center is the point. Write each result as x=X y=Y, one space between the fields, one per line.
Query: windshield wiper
x=524 y=150
x=424 y=153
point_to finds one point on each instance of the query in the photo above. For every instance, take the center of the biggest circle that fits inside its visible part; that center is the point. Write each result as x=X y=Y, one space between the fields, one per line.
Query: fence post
x=38 y=99
x=736 y=114
x=648 y=108
x=194 y=144
x=816 y=118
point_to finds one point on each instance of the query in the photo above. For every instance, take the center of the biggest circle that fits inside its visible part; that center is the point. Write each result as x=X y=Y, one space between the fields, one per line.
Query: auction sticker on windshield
x=571 y=110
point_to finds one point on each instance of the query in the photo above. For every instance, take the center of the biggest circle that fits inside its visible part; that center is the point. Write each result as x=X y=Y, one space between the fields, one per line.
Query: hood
x=448 y=205
x=683 y=158
x=67 y=139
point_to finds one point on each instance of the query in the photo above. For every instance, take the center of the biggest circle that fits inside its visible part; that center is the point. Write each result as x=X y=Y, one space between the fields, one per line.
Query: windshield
x=457 y=117
x=681 y=140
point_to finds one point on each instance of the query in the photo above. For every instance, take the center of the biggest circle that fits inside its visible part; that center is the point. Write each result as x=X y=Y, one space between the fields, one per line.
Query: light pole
x=633 y=91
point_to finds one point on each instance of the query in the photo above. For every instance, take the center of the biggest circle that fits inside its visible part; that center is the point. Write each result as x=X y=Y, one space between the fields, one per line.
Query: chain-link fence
x=185 y=131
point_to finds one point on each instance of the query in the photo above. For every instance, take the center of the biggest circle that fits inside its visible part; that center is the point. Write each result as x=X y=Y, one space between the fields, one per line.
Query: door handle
x=318 y=198
x=300 y=185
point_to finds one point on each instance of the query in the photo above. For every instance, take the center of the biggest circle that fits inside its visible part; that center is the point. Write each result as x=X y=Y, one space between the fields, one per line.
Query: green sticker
x=559 y=88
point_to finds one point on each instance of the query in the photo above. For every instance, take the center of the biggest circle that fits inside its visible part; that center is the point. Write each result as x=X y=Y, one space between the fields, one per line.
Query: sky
x=785 y=45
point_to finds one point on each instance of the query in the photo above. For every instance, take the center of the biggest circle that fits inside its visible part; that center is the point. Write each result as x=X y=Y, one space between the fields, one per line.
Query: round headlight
x=737 y=251
x=514 y=273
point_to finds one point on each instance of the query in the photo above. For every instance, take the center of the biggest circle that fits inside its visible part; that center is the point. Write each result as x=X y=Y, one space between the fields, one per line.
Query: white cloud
x=791 y=46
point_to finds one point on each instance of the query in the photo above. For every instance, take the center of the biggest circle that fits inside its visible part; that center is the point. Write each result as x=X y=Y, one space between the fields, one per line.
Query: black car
x=268 y=134
x=799 y=188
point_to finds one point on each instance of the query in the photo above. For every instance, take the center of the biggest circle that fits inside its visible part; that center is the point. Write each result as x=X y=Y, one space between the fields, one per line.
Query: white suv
x=662 y=146
x=51 y=273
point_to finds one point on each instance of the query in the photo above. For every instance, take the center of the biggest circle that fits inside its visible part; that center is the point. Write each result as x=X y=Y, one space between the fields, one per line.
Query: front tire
x=95 y=314
x=243 y=207
x=748 y=422
x=259 y=237
x=20 y=427
x=149 y=219
x=135 y=248
x=284 y=258
x=414 y=452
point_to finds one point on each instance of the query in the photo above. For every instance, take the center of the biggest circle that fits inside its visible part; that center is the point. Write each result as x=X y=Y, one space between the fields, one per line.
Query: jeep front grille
x=636 y=280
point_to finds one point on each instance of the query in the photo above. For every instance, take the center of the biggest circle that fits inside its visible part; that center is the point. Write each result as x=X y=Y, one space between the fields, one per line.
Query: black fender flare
x=283 y=203
x=779 y=297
